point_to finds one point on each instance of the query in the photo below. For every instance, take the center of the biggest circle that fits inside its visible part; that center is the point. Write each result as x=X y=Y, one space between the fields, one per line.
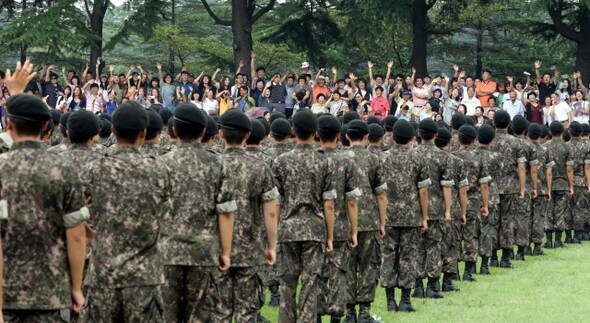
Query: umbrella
x=256 y=112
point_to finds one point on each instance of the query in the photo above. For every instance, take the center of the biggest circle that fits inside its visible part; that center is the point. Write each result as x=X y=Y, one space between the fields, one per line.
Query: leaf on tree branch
x=217 y=20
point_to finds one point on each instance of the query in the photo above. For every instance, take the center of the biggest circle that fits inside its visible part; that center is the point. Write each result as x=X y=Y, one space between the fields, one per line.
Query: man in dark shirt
x=278 y=93
x=50 y=89
x=546 y=87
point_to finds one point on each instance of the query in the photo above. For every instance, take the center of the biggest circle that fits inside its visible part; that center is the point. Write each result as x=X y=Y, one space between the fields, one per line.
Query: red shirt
x=380 y=106
x=536 y=113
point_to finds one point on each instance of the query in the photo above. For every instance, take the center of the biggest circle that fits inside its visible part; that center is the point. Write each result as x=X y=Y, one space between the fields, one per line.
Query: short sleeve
x=329 y=187
x=379 y=183
x=224 y=197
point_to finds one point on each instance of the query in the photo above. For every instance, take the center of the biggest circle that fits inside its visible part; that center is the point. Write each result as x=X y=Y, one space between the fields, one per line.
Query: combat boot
x=483 y=269
x=275 y=296
x=419 y=289
x=391 y=304
x=527 y=250
x=448 y=283
x=433 y=288
x=520 y=253
x=335 y=319
x=494 y=259
x=549 y=238
x=538 y=251
x=578 y=237
x=568 y=236
x=405 y=304
x=350 y=314
x=365 y=313
x=456 y=275
x=558 y=242
x=505 y=262
x=262 y=319
x=469 y=270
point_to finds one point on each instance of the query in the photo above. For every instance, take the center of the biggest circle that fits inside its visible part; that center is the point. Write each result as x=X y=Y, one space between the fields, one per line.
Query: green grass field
x=551 y=288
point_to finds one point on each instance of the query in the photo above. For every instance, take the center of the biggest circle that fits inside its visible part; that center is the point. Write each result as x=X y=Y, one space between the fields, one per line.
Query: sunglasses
x=398 y=80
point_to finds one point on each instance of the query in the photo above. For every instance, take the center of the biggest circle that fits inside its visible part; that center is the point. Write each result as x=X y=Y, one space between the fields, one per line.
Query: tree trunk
x=171 y=54
x=583 y=60
x=419 y=37
x=96 y=17
x=479 y=50
x=23 y=53
x=242 y=33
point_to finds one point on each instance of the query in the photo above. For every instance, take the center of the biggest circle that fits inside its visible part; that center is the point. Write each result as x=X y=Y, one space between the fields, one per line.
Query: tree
x=244 y=16
x=96 y=21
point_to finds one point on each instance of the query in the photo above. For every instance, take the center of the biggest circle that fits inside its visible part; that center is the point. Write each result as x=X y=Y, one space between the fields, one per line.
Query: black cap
x=360 y=126
x=566 y=137
x=188 y=114
x=586 y=129
x=535 y=131
x=166 y=114
x=374 y=120
x=266 y=125
x=545 y=132
x=131 y=116
x=486 y=134
x=403 y=129
x=84 y=123
x=55 y=116
x=63 y=121
x=468 y=131
x=576 y=129
x=444 y=134
x=428 y=125
x=156 y=107
x=156 y=123
x=501 y=119
x=442 y=124
x=212 y=128
x=27 y=107
x=343 y=133
x=280 y=127
x=277 y=115
x=105 y=116
x=105 y=128
x=305 y=120
x=376 y=131
x=556 y=128
x=349 y=116
x=414 y=125
x=235 y=119
x=329 y=123
x=457 y=120
x=389 y=122
x=519 y=124
x=258 y=130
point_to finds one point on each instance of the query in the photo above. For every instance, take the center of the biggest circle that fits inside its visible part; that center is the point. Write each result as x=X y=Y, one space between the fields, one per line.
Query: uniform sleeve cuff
x=226 y=207
x=424 y=183
x=380 y=189
x=271 y=195
x=447 y=183
x=569 y=163
x=464 y=183
x=485 y=180
x=3 y=210
x=551 y=164
x=73 y=219
x=586 y=161
x=330 y=195
x=354 y=194
x=534 y=162
x=521 y=160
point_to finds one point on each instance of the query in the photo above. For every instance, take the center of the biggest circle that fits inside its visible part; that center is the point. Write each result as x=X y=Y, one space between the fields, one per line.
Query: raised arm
x=48 y=74
x=411 y=85
x=370 y=65
x=217 y=70
x=389 y=66
x=160 y=76
x=63 y=75
x=97 y=71
x=85 y=71
x=537 y=72
x=334 y=73
x=317 y=76
x=555 y=75
x=252 y=67
x=240 y=66
x=456 y=69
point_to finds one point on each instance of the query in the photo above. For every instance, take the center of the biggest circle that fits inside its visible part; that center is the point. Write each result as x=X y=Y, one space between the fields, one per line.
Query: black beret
x=63 y=121
x=266 y=125
x=258 y=130
x=444 y=134
x=156 y=107
x=27 y=107
x=105 y=116
x=329 y=123
x=468 y=131
x=156 y=122
x=166 y=115
x=576 y=129
x=586 y=129
x=343 y=133
x=428 y=125
x=535 y=131
x=486 y=134
x=277 y=115
x=376 y=131
x=361 y=126
x=457 y=120
x=501 y=118
x=556 y=128
x=519 y=124
x=545 y=131
x=414 y=125
x=188 y=114
x=349 y=116
x=84 y=123
x=105 y=128
x=566 y=137
x=305 y=120
x=403 y=129
x=389 y=122
x=374 y=120
x=50 y=127
x=212 y=127
x=470 y=121
x=170 y=123
x=280 y=127
x=131 y=116
x=236 y=119
x=442 y=124
x=55 y=116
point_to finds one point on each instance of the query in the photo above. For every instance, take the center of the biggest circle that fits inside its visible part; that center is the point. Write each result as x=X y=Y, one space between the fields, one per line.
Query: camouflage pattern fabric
x=151 y=149
x=388 y=142
x=580 y=155
x=399 y=262
x=511 y=150
x=37 y=316
x=279 y=149
x=562 y=157
x=335 y=269
x=241 y=295
x=363 y=272
x=164 y=138
x=130 y=304
x=488 y=235
x=57 y=137
x=540 y=210
x=60 y=148
x=431 y=248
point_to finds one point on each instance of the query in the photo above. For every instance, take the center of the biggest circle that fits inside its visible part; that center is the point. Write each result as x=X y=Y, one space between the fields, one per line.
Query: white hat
x=305 y=65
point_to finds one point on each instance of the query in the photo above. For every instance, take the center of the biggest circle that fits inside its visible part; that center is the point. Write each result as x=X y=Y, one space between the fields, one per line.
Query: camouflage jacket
x=279 y=149
x=151 y=149
x=512 y=153
x=530 y=153
x=375 y=150
x=460 y=180
x=61 y=147
x=562 y=157
x=257 y=153
x=57 y=137
x=495 y=165
x=545 y=162
x=580 y=154
x=388 y=142
x=164 y=138
x=440 y=173
x=477 y=172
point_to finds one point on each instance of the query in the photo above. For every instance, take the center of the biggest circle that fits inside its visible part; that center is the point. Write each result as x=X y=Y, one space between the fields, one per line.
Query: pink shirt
x=380 y=105
x=422 y=91
x=94 y=103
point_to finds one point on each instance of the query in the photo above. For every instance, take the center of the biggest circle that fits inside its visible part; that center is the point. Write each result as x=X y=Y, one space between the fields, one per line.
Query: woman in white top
x=210 y=104
x=451 y=104
x=470 y=101
x=426 y=113
x=197 y=100
x=580 y=108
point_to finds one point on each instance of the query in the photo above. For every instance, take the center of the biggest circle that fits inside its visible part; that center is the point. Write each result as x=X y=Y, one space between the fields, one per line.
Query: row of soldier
x=182 y=231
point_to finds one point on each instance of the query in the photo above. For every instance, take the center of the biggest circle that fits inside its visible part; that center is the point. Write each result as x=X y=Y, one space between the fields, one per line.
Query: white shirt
x=513 y=108
x=210 y=104
x=580 y=107
x=471 y=104
x=562 y=111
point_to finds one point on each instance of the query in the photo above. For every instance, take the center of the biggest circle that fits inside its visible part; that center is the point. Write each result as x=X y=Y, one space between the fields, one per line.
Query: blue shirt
x=111 y=107
x=188 y=88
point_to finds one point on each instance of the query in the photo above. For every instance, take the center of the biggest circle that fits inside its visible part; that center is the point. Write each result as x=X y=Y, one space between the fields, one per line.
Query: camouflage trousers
x=129 y=304
x=539 y=211
x=334 y=283
x=191 y=294
x=241 y=294
x=363 y=273
x=37 y=316
x=430 y=250
x=522 y=221
x=579 y=208
x=508 y=205
x=399 y=263
x=560 y=209
x=271 y=273
x=488 y=235
x=470 y=236
x=451 y=246
x=302 y=259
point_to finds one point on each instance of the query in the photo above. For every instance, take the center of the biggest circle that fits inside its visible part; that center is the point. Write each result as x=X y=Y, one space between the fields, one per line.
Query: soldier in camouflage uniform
x=173 y=140
x=166 y=115
x=562 y=186
x=211 y=131
x=63 y=127
x=542 y=203
x=586 y=140
x=242 y=294
x=511 y=181
x=126 y=263
x=280 y=133
x=5 y=141
x=579 y=151
x=439 y=210
x=306 y=222
x=388 y=124
x=490 y=225
x=376 y=139
x=523 y=209
x=197 y=232
x=254 y=143
x=407 y=214
x=457 y=121
x=42 y=214
x=57 y=137
x=363 y=272
x=151 y=145
x=345 y=181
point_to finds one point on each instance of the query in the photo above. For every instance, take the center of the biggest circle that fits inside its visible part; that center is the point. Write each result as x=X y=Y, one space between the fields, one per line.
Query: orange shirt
x=320 y=89
x=487 y=86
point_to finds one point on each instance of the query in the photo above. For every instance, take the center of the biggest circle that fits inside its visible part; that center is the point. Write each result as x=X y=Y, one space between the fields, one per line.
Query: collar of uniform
x=574 y=139
x=427 y=143
x=305 y=146
x=233 y=150
x=357 y=147
x=27 y=144
x=148 y=144
x=501 y=131
x=401 y=147
x=124 y=150
x=250 y=148
x=78 y=147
